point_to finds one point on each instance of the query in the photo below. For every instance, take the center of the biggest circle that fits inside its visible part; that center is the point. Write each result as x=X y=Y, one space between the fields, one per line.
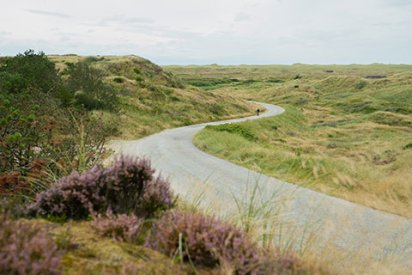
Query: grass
x=262 y=217
x=341 y=134
x=89 y=253
x=152 y=99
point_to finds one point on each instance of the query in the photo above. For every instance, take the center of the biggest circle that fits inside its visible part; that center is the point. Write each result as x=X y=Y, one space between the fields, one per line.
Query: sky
x=213 y=31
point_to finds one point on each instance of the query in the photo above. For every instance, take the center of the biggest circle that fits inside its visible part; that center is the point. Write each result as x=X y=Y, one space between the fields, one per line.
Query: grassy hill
x=152 y=99
x=343 y=133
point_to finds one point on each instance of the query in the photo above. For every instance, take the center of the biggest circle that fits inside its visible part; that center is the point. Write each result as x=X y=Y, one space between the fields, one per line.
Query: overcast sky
x=213 y=31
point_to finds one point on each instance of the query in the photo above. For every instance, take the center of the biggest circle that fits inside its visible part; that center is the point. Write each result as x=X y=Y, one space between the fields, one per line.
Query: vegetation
x=127 y=187
x=194 y=242
x=27 y=249
x=119 y=227
x=57 y=113
x=151 y=99
x=342 y=133
x=203 y=241
x=63 y=211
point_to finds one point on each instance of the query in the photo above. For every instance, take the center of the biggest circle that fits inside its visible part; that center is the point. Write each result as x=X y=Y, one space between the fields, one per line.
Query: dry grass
x=342 y=134
x=152 y=100
x=268 y=224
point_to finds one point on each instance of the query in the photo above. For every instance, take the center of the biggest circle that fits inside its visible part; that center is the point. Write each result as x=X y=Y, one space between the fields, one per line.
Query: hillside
x=152 y=99
x=344 y=132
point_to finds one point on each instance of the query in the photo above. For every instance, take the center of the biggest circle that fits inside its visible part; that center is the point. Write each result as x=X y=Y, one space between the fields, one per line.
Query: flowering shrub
x=126 y=187
x=129 y=185
x=74 y=196
x=119 y=227
x=203 y=240
x=25 y=249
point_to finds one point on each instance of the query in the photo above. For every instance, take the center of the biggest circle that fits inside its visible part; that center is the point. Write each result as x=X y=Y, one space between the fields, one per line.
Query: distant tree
x=28 y=71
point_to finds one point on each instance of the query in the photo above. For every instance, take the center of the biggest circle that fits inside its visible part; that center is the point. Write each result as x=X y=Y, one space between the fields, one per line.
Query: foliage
x=28 y=71
x=86 y=83
x=26 y=249
x=203 y=241
x=126 y=187
x=38 y=124
x=19 y=137
x=119 y=227
x=82 y=145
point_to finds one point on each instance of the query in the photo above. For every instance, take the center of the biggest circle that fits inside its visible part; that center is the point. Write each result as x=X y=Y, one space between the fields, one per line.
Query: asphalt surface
x=213 y=183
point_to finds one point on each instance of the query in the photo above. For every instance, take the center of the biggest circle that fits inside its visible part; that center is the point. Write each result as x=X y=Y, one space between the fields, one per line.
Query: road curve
x=329 y=220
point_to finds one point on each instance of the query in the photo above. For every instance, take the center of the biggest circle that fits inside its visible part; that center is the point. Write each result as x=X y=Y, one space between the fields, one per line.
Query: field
x=347 y=130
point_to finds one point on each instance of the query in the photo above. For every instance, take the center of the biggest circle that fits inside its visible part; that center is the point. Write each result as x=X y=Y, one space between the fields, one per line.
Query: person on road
x=257 y=112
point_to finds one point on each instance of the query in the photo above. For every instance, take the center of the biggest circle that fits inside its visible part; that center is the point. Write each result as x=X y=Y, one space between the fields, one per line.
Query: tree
x=28 y=71
x=86 y=83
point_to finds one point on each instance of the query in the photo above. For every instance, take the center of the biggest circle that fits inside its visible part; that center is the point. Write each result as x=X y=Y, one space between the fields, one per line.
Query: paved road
x=306 y=213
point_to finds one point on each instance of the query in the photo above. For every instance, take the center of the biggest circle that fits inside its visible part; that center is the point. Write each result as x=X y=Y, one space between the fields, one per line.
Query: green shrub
x=407 y=146
x=86 y=82
x=361 y=84
x=28 y=71
x=118 y=79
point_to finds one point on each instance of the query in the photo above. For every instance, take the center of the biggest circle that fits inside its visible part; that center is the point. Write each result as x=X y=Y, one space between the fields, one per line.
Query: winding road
x=213 y=183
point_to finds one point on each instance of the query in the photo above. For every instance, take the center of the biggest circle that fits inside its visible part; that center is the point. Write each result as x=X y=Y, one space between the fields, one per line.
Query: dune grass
x=263 y=217
x=341 y=134
x=152 y=99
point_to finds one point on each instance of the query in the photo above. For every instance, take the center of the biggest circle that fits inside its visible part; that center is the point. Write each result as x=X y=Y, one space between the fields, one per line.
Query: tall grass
x=335 y=136
x=263 y=217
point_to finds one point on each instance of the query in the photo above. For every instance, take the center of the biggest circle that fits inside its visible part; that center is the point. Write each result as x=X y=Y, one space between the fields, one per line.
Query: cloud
x=398 y=2
x=5 y=33
x=240 y=17
x=214 y=31
x=125 y=21
x=48 y=13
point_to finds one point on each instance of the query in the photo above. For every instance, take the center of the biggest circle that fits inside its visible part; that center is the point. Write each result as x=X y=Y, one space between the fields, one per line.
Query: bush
x=28 y=71
x=204 y=241
x=407 y=146
x=118 y=79
x=126 y=187
x=74 y=196
x=119 y=227
x=25 y=249
x=86 y=82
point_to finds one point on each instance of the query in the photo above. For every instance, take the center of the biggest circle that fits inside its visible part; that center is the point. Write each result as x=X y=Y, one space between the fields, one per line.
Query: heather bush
x=25 y=249
x=204 y=241
x=74 y=196
x=126 y=187
x=130 y=187
x=119 y=227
